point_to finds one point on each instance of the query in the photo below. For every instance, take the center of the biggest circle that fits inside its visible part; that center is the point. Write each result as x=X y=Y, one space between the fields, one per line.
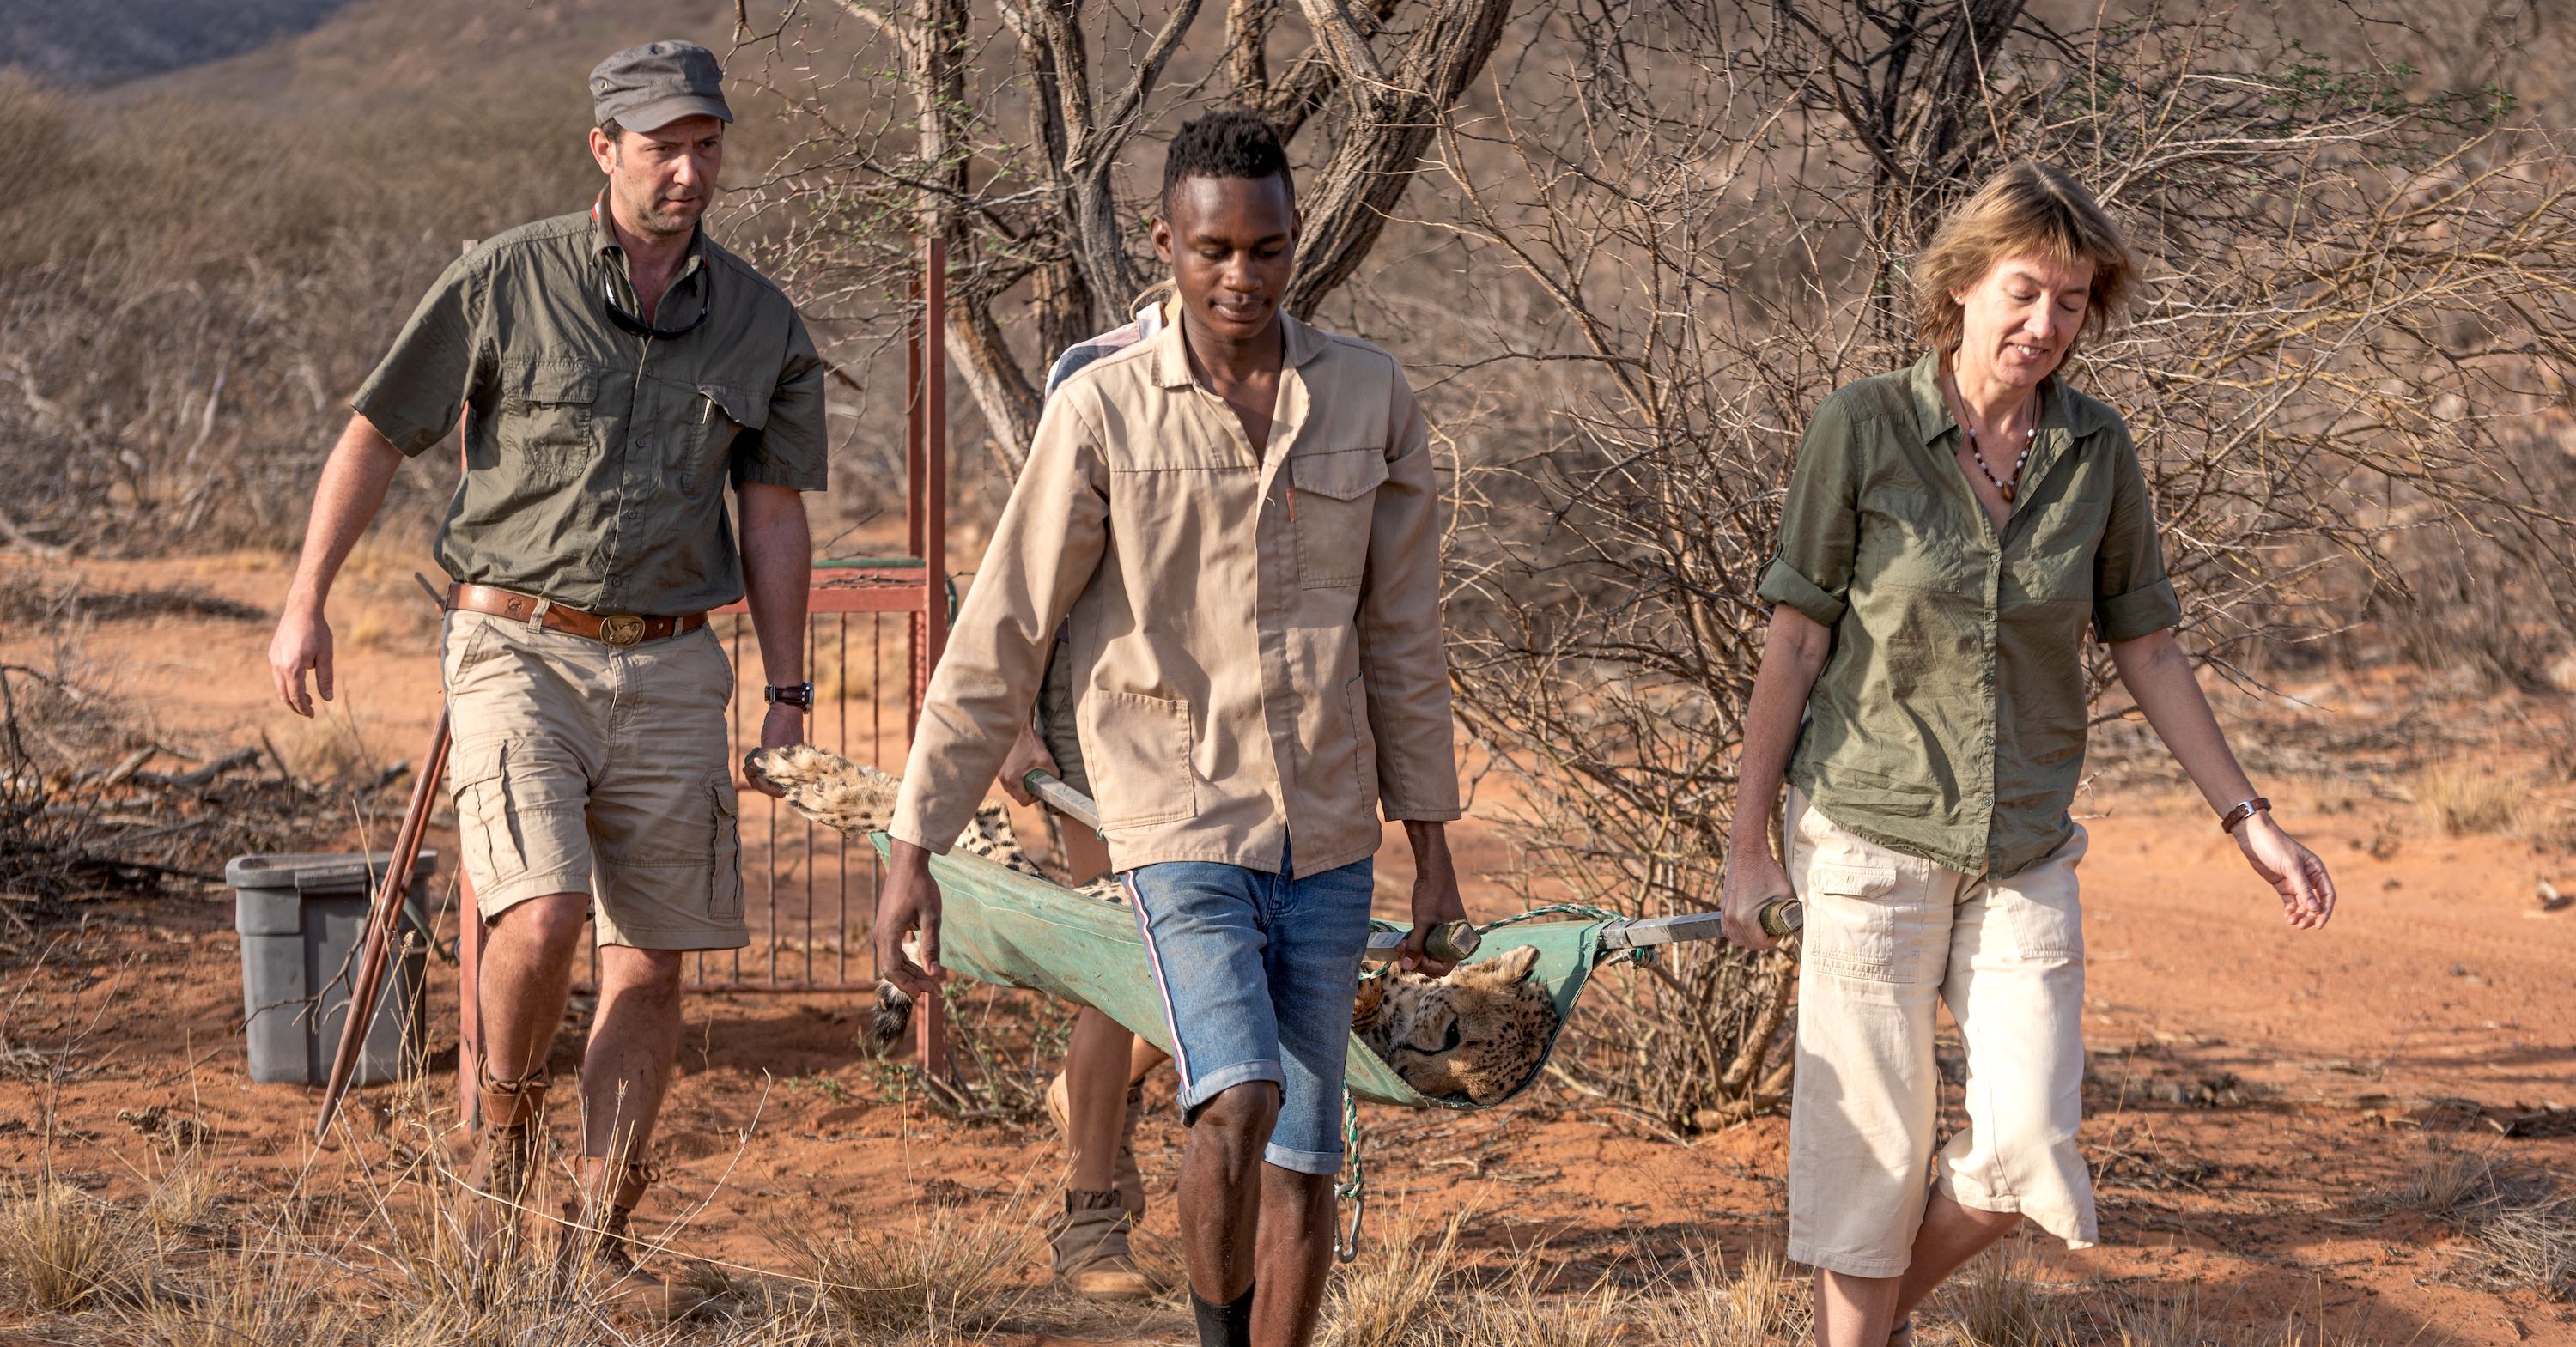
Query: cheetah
x=1479 y=1033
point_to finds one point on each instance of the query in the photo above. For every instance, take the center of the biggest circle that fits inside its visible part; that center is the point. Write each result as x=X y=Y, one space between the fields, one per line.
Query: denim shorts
x=1257 y=973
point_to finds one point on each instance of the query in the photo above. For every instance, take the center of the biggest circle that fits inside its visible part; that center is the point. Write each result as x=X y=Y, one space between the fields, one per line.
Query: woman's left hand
x=2307 y=891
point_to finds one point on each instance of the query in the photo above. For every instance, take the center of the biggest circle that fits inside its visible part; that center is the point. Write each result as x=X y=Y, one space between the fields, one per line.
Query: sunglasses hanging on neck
x=622 y=316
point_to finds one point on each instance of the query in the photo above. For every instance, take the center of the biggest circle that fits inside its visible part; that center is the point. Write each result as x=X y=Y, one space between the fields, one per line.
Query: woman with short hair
x=1950 y=531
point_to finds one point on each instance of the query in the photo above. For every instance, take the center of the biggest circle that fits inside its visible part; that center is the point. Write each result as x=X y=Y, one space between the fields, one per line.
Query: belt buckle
x=621 y=629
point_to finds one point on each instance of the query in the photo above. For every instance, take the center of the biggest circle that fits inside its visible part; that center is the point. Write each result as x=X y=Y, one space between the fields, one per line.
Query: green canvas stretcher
x=1008 y=929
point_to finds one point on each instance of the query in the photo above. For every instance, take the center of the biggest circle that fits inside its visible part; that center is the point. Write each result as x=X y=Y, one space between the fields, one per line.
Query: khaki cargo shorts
x=582 y=768
x=1888 y=938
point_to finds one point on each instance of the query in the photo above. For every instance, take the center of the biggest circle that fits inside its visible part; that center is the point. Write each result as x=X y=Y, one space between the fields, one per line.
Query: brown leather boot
x=506 y=1152
x=599 y=1249
x=1126 y=1179
x=1092 y=1259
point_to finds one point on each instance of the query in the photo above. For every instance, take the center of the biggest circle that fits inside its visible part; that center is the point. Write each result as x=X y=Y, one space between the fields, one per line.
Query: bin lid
x=314 y=871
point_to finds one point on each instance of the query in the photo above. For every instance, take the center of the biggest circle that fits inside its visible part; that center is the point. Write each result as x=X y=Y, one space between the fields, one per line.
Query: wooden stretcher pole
x=375 y=960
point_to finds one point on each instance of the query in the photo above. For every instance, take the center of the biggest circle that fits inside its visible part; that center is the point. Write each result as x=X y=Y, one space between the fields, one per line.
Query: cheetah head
x=1480 y=1032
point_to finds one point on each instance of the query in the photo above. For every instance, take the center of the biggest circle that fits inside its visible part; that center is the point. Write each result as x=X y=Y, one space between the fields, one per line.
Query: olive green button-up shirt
x=596 y=457
x=1256 y=637
x=1949 y=720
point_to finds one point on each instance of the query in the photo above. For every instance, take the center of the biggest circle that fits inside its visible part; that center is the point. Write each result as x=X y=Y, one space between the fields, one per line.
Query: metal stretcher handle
x=1448 y=942
x=1780 y=917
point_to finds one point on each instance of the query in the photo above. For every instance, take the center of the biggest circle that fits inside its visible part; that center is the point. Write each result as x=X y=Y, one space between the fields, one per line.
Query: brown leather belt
x=612 y=629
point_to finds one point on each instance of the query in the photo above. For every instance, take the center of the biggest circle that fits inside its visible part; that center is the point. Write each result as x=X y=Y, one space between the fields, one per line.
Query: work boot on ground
x=1125 y=1178
x=506 y=1151
x=1091 y=1255
x=599 y=1248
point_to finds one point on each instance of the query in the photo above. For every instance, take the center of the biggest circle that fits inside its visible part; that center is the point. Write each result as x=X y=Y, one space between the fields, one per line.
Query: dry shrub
x=63 y=1250
x=2466 y=797
x=946 y=1274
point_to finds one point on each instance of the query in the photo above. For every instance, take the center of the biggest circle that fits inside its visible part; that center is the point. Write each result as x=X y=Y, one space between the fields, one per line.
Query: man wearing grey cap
x=615 y=369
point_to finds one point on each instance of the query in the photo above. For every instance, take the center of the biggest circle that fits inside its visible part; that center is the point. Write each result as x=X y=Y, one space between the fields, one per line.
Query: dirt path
x=2254 y=1088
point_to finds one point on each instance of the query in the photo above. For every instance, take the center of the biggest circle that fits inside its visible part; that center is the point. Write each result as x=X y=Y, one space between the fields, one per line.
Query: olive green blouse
x=1949 y=719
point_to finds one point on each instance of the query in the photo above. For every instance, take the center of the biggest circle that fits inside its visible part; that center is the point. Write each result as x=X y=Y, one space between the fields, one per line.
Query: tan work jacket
x=1256 y=637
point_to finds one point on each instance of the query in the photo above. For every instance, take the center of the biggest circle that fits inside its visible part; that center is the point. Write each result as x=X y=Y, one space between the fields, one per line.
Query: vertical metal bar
x=932 y=1018
x=841 y=847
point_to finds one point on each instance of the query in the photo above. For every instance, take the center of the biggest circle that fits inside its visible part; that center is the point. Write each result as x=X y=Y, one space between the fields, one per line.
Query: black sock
x=1224 y=1325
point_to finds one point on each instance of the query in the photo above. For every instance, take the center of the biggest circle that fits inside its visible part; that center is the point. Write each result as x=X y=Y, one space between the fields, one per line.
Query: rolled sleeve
x=416 y=393
x=1782 y=583
x=792 y=450
x=1044 y=550
x=2132 y=596
x=1819 y=520
x=1404 y=661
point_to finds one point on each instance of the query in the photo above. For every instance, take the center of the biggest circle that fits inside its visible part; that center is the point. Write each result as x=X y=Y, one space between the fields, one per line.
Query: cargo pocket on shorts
x=1851 y=920
x=724 y=876
x=486 y=827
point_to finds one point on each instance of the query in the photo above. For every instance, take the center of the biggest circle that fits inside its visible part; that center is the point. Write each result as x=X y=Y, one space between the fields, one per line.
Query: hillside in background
x=104 y=41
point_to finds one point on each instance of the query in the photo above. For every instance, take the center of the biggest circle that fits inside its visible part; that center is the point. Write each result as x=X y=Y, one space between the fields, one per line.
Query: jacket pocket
x=487 y=829
x=1336 y=491
x=548 y=434
x=725 y=415
x=724 y=878
x=1137 y=751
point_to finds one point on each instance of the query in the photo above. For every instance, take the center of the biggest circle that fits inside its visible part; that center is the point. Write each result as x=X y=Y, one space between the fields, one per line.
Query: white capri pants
x=1887 y=935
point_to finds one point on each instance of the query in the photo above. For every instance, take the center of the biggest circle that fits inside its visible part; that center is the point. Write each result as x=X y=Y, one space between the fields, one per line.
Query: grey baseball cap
x=649 y=87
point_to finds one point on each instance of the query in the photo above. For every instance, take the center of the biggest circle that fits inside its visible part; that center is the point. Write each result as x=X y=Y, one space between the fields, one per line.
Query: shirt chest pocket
x=548 y=432
x=730 y=421
x=1334 y=494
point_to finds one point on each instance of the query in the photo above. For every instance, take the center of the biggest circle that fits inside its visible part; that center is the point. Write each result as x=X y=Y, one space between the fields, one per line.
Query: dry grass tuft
x=1397 y=1292
x=955 y=1271
x=63 y=1250
x=2464 y=797
x=2523 y=1227
x=1764 y=1303
x=2006 y=1299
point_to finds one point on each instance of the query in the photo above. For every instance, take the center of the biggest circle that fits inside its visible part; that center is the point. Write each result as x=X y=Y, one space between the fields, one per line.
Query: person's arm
x=410 y=401
x=2159 y=678
x=1793 y=653
x=1807 y=584
x=1044 y=549
x=352 y=489
x=777 y=556
x=1404 y=669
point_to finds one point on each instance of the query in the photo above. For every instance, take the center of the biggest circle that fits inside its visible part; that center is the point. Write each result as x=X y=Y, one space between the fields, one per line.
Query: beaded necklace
x=2009 y=485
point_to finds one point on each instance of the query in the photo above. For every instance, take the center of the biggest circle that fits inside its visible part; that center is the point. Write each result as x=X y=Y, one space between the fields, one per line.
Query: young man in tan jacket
x=1238 y=517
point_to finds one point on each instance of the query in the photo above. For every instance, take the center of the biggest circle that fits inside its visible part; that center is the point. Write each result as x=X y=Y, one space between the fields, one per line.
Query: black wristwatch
x=798 y=695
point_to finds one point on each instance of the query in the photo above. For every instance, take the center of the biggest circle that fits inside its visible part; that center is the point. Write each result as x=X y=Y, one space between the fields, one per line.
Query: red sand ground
x=2322 y=1062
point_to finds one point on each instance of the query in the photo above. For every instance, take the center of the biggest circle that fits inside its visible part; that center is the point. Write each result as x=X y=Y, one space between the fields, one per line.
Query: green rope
x=1346 y=1241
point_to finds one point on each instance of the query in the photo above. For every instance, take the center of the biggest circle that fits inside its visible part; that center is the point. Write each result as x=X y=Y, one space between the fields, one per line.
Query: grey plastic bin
x=301 y=917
